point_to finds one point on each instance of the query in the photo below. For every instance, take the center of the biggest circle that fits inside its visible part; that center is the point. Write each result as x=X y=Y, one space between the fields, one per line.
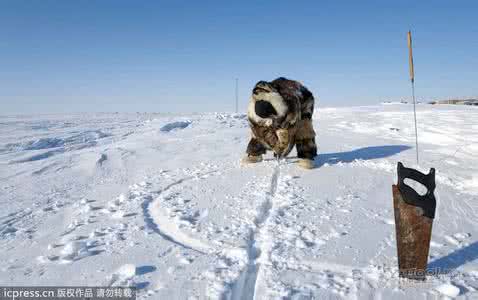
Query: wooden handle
x=410 y=56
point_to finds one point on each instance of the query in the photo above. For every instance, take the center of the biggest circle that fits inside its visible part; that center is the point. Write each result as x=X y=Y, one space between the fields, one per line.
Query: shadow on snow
x=455 y=259
x=365 y=153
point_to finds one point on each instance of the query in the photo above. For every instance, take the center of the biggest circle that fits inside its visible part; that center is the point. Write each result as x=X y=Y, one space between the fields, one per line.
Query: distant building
x=457 y=101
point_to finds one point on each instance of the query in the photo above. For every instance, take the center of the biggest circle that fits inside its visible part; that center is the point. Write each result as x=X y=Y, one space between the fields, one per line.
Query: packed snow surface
x=162 y=203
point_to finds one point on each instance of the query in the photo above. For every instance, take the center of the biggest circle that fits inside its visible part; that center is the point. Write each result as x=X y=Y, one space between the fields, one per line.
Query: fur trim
x=305 y=130
x=275 y=99
x=251 y=114
x=284 y=141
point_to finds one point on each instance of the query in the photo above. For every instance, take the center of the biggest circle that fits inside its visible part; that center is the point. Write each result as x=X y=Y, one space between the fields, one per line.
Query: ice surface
x=161 y=202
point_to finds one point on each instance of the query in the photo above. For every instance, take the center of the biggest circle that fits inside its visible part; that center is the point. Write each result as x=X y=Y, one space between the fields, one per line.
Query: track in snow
x=245 y=287
x=159 y=223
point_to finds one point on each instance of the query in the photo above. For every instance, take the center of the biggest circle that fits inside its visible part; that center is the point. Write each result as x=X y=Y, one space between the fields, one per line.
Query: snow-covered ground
x=161 y=202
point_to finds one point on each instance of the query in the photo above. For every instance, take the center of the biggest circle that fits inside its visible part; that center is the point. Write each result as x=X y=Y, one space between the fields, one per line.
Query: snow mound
x=43 y=143
x=123 y=276
x=175 y=126
x=449 y=290
x=40 y=156
x=472 y=183
x=6 y=230
x=86 y=138
x=55 y=145
x=75 y=250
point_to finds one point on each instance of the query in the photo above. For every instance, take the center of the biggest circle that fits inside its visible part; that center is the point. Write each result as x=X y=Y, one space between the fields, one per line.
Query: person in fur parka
x=280 y=116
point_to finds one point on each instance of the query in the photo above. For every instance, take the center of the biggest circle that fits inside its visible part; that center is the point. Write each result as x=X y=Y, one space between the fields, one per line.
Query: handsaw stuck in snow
x=414 y=214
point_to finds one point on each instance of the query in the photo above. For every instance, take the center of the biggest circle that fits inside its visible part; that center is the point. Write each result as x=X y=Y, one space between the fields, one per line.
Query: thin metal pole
x=415 y=118
x=237 y=95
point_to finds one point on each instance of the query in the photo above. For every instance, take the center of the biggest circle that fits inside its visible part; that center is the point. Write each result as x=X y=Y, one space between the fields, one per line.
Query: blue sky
x=184 y=56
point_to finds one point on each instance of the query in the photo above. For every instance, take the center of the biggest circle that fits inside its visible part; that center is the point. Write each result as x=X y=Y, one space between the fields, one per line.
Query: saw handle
x=426 y=202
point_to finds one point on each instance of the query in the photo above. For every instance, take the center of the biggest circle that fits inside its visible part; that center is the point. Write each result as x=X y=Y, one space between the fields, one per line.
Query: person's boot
x=251 y=159
x=306 y=163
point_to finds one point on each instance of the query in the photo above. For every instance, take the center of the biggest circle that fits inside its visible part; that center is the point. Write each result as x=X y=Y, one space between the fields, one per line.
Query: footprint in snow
x=457 y=239
x=127 y=275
